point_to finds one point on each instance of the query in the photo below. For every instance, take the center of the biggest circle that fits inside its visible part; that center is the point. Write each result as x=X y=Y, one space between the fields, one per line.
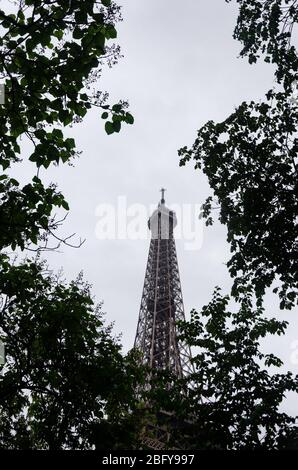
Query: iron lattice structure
x=162 y=302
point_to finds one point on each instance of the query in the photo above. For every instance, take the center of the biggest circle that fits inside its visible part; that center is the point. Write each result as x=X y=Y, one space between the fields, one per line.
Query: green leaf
x=33 y=238
x=77 y=33
x=59 y=34
x=109 y=128
x=5 y=164
x=84 y=97
x=65 y=205
x=99 y=39
x=117 y=126
x=129 y=119
x=57 y=133
x=117 y=108
x=70 y=143
x=81 y=16
x=40 y=133
x=111 y=32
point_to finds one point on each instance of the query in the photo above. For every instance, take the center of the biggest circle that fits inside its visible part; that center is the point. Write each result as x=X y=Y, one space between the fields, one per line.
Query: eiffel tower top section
x=162 y=303
x=163 y=221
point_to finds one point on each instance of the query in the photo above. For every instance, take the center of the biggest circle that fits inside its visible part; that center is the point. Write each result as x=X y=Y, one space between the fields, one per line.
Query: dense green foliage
x=51 y=53
x=233 y=399
x=250 y=160
x=265 y=29
x=65 y=379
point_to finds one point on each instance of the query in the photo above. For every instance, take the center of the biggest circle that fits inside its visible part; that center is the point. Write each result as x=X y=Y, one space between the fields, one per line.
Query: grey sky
x=180 y=69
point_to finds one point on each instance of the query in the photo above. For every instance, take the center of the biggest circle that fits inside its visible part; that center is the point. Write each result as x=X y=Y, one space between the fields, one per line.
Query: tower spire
x=162 y=195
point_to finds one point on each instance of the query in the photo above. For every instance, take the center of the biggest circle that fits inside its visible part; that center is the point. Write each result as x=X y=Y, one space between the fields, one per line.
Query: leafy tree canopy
x=250 y=160
x=65 y=379
x=232 y=400
x=51 y=55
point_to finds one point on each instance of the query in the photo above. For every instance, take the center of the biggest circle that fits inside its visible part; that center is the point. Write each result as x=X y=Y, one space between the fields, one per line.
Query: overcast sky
x=180 y=69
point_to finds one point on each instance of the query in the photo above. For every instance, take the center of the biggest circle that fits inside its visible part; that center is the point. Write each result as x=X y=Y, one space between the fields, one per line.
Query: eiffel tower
x=162 y=306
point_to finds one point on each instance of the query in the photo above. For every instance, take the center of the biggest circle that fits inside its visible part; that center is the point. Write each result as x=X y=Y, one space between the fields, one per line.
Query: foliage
x=65 y=379
x=250 y=160
x=51 y=54
x=232 y=400
x=265 y=28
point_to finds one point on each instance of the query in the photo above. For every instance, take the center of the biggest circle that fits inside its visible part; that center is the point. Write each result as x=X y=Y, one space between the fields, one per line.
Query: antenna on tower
x=162 y=195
